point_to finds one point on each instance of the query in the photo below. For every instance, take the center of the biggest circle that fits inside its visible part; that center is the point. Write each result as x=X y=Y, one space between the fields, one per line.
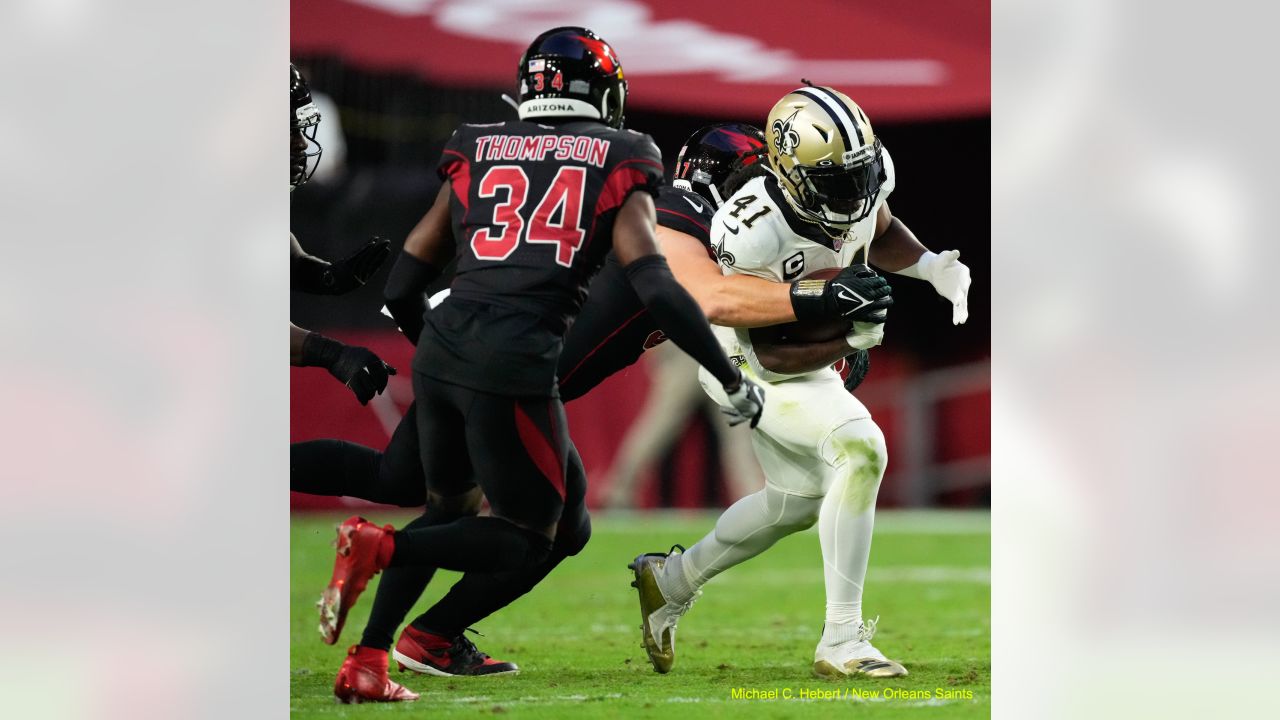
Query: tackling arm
x=675 y=311
x=728 y=300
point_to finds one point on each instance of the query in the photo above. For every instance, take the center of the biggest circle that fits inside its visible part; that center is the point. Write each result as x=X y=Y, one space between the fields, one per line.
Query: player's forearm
x=297 y=339
x=744 y=301
x=896 y=248
x=306 y=272
x=679 y=316
x=799 y=358
x=405 y=293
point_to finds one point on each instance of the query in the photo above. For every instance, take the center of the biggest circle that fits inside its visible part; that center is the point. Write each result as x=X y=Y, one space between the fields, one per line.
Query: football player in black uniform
x=530 y=208
x=356 y=367
x=611 y=332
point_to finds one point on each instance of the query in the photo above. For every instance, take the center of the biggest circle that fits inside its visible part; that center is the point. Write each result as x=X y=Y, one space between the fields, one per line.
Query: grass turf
x=577 y=641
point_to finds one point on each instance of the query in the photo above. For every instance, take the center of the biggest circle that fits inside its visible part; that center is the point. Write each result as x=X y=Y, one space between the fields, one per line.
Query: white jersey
x=755 y=233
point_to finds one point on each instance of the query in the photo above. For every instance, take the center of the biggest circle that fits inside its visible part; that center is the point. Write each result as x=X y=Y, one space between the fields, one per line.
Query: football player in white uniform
x=823 y=457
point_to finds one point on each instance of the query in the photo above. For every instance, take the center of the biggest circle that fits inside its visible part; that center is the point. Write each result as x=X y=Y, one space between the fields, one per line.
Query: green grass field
x=577 y=641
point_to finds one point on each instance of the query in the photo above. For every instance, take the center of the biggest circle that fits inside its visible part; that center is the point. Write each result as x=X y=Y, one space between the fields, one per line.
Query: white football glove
x=865 y=335
x=949 y=277
x=747 y=402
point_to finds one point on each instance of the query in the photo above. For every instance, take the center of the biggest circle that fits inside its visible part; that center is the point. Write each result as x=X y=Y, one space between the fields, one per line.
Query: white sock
x=748 y=528
x=834 y=633
x=672 y=581
x=846 y=521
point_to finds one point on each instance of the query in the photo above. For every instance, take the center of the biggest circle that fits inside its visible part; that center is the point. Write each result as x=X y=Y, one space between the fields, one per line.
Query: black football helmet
x=571 y=72
x=304 y=121
x=713 y=153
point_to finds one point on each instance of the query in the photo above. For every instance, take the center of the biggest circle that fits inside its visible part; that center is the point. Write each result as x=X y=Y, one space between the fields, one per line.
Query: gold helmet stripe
x=834 y=106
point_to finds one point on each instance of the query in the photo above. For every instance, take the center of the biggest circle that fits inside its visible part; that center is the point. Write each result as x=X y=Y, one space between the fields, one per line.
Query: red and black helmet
x=713 y=153
x=571 y=72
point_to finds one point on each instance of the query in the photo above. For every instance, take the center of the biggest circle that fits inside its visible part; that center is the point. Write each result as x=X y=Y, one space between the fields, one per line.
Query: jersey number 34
x=564 y=198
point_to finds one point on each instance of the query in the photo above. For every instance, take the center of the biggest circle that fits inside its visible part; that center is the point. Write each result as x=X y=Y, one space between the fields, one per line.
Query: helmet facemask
x=839 y=195
x=304 y=122
x=305 y=149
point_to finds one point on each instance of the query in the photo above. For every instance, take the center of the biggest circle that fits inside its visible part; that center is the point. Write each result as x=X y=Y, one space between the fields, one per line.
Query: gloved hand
x=358 y=368
x=853 y=368
x=950 y=278
x=857 y=293
x=354 y=271
x=865 y=335
x=747 y=400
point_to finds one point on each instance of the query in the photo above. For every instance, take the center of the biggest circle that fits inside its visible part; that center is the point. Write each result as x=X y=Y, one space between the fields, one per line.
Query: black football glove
x=858 y=365
x=857 y=293
x=354 y=271
x=356 y=367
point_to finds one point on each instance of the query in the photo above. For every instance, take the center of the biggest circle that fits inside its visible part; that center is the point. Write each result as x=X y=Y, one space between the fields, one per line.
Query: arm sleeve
x=678 y=315
x=405 y=293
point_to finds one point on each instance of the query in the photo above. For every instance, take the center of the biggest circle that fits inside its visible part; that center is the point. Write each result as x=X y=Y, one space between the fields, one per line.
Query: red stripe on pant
x=541 y=449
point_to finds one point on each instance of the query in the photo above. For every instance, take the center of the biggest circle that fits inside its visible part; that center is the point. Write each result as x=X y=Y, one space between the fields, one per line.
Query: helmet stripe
x=842 y=117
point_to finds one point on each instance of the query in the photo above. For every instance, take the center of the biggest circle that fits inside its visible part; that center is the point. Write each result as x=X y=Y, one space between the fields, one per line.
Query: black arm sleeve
x=406 y=293
x=678 y=315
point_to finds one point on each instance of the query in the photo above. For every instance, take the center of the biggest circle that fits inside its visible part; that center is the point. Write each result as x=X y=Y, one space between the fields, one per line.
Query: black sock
x=471 y=544
x=479 y=595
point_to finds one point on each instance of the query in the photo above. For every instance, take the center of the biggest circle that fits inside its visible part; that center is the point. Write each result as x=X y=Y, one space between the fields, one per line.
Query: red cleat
x=363 y=550
x=445 y=657
x=363 y=678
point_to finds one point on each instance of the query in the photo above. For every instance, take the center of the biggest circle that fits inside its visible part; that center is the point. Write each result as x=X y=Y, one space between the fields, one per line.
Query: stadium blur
x=392 y=94
x=394 y=91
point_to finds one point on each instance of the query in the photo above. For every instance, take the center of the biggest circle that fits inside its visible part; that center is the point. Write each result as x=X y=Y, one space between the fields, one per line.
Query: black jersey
x=614 y=329
x=533 y=207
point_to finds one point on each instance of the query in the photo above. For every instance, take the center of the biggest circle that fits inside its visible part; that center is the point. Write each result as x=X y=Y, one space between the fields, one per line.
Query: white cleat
x=856 y=656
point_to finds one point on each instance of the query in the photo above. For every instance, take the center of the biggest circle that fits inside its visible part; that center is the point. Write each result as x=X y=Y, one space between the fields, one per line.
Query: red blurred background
x=395 y=77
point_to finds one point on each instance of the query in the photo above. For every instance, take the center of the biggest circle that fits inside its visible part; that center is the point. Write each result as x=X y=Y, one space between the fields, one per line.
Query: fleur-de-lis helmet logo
x=785 y=138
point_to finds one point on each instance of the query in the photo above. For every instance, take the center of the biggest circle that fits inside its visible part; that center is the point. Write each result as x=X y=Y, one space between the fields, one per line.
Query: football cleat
x=363 y=678
x=432 y=654
x=855 y=657
x=658 y=615
x=363 y=550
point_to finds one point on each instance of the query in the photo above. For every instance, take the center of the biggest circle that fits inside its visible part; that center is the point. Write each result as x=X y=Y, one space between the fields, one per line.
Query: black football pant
x=397 y=477
x=477 y=595
x=515 y=450
x=337 y=467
